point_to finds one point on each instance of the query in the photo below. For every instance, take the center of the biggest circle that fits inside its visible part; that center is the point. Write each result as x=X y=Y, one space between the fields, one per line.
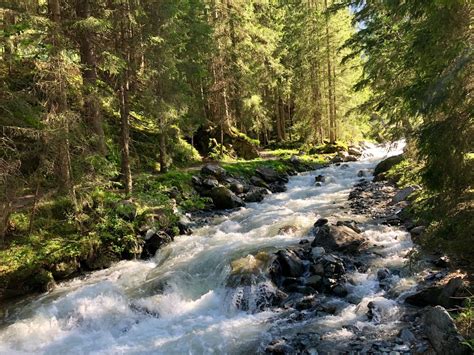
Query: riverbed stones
x=210 y=183
x=223 y=198
x=442 y=333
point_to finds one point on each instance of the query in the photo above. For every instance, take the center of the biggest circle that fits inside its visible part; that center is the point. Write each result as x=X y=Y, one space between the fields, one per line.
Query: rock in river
x=223 y=198
x=338 y=238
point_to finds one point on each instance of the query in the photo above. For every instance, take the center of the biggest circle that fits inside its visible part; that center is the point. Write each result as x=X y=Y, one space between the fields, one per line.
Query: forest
x=109 y=109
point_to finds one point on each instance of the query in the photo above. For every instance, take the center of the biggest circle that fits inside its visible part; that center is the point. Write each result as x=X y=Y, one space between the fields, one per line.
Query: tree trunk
x=162 y=139
x=332 y=118
x=125 y=137
x=92 y=111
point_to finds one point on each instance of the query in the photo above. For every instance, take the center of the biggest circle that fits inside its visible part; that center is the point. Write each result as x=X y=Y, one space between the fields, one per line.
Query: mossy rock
x=386 y=164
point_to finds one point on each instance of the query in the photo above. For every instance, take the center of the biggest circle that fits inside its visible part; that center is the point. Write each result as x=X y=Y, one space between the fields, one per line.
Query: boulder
x=271 y=175
x=277 y=187
x=403 y=194
x=350 y=158
x=237 y=187
x=339 y=290
x=210 y=183
x=256 y=194
x=338 y=238
x=316 y=252
x=213 y=170
x=388 y=163
x=442 y=333
x=441 y=295
x=337 y=159
x=383 y=274
x=223 y=198
x=153 y=241
x=320 y=178
x=355 y=151
x=256 y=181
x=320 y=222
x=351 y=224
x=287 y=264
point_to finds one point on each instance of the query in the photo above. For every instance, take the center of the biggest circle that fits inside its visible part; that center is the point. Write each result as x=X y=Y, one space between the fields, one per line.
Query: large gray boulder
x=223 y=198
x=338 y=238
x=442 y=332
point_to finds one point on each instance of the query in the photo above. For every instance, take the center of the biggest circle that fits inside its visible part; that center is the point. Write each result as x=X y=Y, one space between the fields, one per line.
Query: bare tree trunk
x=163 y=166
x=332 y=118
x=278 y=117
x=125 y=137
x=89 y=74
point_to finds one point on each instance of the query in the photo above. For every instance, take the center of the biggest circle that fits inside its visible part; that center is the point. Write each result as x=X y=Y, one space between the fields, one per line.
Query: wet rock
x=223 y=198
x=279 y=346
x=338 y=238
x=437 y=295
x=383 y=274
x=210 y=183
x=320 y=222
x=154 y=240
x=351 y=224
x=318 y=184
x=317 y=269
x=288 y=264
x=256 y=181
x=407 y=336
x=350 y=158
x=270 y=175
x=403 y=194
x=184 y=225
x=237 y=187
x=363 y=173
x=316 y=252
x=314 y=281
x=337 y=159
x=320 y=178
x=442 y=333
x=386 y=164
x=213 y=170
x=353 y=150
x=339 y=290
x=344 y=166
x=277 y=187
x=256 y=194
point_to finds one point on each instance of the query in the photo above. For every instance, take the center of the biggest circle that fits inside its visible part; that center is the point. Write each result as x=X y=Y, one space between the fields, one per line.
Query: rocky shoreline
x=305 y=276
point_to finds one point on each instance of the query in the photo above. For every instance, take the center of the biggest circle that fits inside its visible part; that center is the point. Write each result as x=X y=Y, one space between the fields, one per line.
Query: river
x=183 y=300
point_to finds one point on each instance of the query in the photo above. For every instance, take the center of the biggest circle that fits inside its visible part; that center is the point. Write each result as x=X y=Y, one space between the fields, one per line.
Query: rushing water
x=183 y=300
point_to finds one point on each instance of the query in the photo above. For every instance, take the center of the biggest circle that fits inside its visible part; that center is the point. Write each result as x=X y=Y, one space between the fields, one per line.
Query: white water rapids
x=179 y=303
